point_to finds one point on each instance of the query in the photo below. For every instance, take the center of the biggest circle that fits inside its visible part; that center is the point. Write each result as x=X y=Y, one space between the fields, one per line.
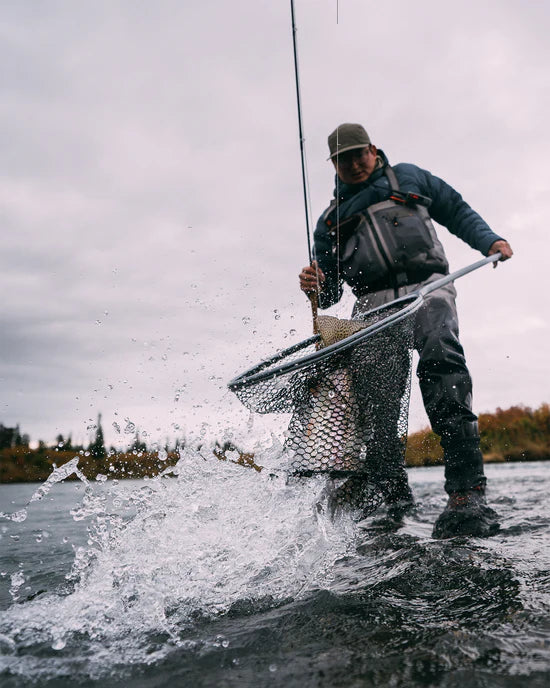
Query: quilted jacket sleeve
x=449 y=209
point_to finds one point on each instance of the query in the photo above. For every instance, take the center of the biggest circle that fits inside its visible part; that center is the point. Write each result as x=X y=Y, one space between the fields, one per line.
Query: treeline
x=22 y=464
x=12 y=438
x=515 y=434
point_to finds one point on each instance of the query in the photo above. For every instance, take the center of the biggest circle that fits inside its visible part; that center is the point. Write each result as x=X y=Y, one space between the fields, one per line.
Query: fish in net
x=348 y=392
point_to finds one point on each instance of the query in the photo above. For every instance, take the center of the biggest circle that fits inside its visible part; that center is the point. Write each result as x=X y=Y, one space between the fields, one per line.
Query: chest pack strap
x=390 y=174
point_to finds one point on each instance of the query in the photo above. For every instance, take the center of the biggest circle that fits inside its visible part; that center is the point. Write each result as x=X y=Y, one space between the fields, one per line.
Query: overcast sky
x=151 y=202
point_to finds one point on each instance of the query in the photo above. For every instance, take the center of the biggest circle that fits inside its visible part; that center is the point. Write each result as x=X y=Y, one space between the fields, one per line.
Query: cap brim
x=348 y=148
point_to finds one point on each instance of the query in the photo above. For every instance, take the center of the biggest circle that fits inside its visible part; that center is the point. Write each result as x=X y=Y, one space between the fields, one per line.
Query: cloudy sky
x=151 y=202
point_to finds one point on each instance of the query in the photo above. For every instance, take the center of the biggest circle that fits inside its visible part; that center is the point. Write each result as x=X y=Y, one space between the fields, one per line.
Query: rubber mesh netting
x=349 y=407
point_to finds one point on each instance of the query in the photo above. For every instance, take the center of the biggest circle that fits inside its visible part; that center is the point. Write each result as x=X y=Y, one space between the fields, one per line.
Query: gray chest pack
x=389 y=244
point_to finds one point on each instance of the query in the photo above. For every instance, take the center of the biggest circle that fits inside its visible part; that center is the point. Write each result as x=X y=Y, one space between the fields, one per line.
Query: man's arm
x=449 y=209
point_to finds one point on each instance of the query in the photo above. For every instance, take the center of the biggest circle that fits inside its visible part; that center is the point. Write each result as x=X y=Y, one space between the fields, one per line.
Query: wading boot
x=467 y=513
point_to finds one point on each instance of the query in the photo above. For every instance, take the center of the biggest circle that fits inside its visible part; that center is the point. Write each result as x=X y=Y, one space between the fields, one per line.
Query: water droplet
x=116 y=426
x=246 y=320
x=19 y=516
x=292 y=332
x=276 y=314
x=58 y=644
x=273 y=668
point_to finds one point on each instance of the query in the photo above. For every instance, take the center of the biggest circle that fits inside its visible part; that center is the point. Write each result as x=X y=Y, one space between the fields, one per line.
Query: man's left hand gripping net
x=348 y=391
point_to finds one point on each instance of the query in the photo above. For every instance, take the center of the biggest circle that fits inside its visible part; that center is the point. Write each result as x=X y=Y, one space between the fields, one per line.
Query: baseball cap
x=347 y=137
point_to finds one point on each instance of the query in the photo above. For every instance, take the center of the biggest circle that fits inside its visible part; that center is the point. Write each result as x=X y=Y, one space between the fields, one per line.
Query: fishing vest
x=390 y=244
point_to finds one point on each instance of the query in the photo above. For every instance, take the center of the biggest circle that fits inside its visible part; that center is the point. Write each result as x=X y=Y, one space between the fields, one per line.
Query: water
x=221 y=576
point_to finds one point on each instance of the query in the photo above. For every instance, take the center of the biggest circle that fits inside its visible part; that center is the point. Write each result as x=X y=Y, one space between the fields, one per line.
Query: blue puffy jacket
x=447 y=208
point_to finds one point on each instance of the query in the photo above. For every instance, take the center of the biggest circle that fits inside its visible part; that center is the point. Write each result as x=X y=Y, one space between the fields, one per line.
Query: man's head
x=353 y=154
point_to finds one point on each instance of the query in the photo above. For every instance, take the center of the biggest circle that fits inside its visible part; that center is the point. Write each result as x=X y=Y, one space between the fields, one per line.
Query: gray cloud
x=151 y=182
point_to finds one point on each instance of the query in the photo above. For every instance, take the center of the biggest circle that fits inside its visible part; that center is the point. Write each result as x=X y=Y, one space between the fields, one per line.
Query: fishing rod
x=313 y=296
x=300 y=129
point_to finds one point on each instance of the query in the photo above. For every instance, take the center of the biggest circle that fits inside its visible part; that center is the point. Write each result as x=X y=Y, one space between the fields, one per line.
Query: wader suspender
x=390 y=174
x=399 y=279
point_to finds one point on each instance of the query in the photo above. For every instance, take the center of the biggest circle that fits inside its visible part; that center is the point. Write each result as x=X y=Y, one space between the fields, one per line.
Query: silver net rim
x=268 y=369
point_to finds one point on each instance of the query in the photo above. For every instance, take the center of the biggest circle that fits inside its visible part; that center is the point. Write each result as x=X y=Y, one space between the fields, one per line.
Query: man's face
x=355 y=166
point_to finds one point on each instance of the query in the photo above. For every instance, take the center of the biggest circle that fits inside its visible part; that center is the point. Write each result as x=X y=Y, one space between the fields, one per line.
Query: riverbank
x=515 y=434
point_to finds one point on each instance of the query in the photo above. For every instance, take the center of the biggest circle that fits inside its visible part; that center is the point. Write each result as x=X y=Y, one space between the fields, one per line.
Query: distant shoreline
x=515 y=435
x=162 y=466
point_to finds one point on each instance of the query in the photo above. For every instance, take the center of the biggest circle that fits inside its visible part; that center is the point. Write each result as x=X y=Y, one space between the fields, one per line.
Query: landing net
x=347 y=389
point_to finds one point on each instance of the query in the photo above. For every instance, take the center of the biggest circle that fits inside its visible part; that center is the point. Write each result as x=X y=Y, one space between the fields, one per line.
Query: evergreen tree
x=138 y=444
x=97 y=447
x=6 y=437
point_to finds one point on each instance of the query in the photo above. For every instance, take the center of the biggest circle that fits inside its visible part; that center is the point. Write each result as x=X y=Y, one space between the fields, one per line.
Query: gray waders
x=445 y=384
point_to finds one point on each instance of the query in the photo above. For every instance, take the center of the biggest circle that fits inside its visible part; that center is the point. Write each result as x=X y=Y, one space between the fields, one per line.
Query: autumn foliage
x=515 y=434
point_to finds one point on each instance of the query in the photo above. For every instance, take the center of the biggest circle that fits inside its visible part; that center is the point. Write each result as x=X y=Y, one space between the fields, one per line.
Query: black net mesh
x=349 y=408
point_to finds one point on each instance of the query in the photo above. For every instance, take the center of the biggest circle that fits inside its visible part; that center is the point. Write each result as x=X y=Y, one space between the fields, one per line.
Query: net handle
x=314 y=299
x=458 y=273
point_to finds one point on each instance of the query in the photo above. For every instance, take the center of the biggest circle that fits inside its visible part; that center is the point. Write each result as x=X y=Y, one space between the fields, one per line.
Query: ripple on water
x=221 y=576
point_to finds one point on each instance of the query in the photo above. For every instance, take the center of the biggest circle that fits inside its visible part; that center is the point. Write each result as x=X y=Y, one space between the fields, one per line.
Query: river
x=221 y=576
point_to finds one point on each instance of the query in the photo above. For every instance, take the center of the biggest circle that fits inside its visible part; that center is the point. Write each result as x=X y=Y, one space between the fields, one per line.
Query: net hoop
x=264 y=371
x=411 y=302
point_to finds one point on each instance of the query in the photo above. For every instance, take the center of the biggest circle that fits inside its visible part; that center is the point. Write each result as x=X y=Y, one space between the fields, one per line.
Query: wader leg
x=446 y=388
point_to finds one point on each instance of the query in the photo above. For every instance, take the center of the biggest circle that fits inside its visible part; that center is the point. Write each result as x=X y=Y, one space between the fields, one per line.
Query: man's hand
x=312 y=278
x=502 y=247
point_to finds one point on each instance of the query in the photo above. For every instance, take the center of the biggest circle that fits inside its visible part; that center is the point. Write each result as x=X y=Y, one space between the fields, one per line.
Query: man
x=378 y=237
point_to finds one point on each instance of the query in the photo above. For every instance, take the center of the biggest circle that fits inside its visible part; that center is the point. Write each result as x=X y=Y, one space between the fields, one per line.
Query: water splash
x=56 y=476
x=179 y=548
